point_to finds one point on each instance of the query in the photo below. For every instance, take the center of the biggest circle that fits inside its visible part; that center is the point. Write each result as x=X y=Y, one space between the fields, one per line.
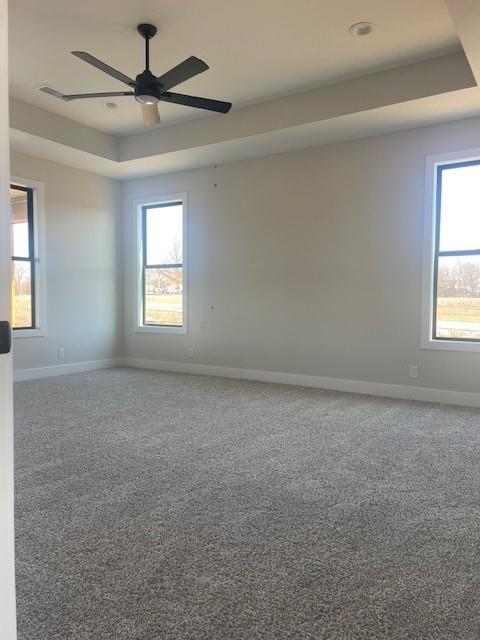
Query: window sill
x=451 y=345
x=28 y=333
x=159 y=329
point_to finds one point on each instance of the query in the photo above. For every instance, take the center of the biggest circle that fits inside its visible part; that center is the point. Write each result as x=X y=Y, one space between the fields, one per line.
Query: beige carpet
x=166 y=506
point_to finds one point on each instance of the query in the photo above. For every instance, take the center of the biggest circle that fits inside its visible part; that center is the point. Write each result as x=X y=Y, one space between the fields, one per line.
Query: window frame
x=141 y=207
x=30 y=258
x=37 y=243
x=435 y=164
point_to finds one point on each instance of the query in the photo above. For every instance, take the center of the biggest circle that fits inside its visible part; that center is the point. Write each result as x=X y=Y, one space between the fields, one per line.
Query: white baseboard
x=404 y=392
x=63 y=369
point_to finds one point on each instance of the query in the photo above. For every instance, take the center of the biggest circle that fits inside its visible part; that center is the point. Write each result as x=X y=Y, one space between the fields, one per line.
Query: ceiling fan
x=148 y=89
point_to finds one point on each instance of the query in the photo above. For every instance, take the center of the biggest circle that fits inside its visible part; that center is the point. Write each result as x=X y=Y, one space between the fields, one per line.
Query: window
x=28 y=261
x=162 y=273
x=23 y=258
x=452 y=314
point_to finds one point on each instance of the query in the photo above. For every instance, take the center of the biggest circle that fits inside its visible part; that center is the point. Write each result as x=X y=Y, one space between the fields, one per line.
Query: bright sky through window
x=164 y=234
x=20 y=239
x=460 y=221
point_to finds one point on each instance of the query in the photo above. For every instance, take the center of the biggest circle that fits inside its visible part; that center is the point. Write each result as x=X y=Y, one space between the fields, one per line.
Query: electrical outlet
x=190 y=352
x=61 y=353
x=413 y=371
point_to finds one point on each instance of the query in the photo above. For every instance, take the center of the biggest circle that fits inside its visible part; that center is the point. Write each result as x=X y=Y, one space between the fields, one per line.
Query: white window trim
x=432 y=162
x=163 y=199
x=40 y=259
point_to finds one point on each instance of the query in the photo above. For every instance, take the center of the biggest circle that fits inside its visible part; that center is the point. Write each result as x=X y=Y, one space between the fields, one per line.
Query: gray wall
x=82 y=228
x=311 y=260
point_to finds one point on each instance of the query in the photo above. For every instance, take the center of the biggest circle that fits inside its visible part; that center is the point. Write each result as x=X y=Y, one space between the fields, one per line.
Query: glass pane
x=164 y=235
x=460 y=209
x=163 y=296
x=19 y=216
x=21 y=295
x=458 y=298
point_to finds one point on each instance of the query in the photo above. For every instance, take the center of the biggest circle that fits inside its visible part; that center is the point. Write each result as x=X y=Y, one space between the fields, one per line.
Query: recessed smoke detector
x=361 y=29
x=110 y=105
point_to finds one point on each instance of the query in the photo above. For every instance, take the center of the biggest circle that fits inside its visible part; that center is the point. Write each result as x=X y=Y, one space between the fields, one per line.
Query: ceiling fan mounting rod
x=147 y=31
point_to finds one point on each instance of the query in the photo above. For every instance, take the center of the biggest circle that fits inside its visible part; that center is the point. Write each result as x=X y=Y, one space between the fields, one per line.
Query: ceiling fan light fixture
x=145 y=99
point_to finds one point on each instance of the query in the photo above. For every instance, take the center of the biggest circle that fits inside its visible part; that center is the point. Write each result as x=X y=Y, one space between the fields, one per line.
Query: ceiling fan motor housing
x=147 y=88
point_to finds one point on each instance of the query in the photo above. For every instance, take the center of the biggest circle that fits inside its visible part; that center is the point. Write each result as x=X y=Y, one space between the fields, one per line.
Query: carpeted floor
x=166 y=506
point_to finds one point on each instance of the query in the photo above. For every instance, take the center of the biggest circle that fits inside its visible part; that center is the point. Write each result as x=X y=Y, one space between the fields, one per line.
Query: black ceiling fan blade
x=107 y=94
x=98 y=64
x=53 y=92
x=184 y=71
x=199 y=103
x=78 y=96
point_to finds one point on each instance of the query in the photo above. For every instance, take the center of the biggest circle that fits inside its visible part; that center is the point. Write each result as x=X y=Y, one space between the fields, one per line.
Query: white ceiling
x=256 y=49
